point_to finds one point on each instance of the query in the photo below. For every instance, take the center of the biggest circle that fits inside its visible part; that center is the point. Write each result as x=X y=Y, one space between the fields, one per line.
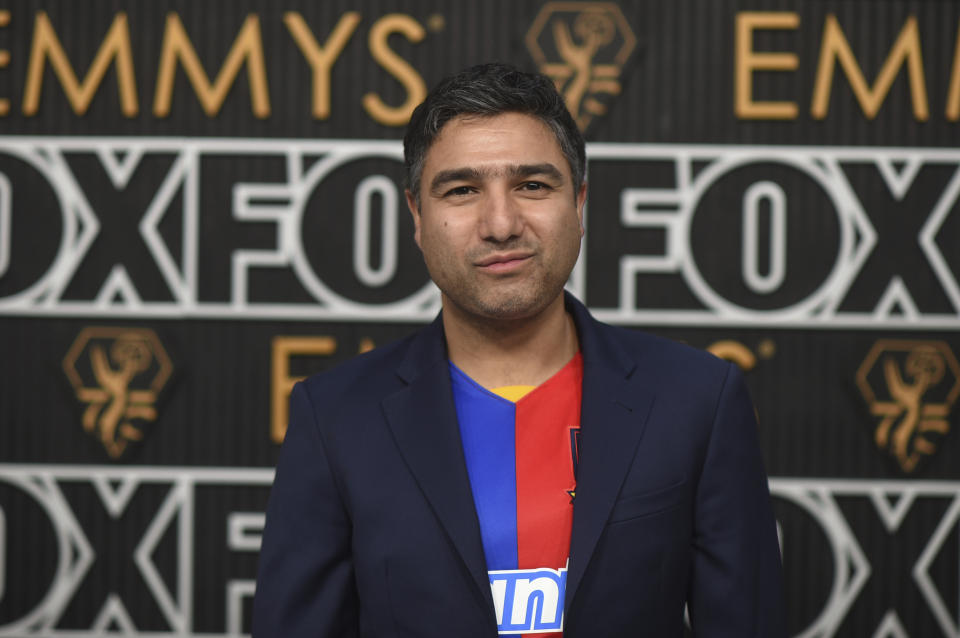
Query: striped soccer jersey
x=521 y=458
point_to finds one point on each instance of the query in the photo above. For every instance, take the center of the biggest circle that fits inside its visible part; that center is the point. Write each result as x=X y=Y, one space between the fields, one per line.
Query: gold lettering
x=4 y=61
x=4 y=21
x=46 y=44
x=746 y=61
x=281 y=383
x=321 y=59
x=734 y=351
x=248 y=47
x=905 y=49
x=397 y=67
x=953 y=93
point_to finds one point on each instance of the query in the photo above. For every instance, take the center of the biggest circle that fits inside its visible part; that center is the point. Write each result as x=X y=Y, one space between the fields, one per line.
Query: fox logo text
x=528 y=600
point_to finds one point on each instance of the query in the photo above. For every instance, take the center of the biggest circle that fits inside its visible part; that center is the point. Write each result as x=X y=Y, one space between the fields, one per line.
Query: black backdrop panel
x=201 y=202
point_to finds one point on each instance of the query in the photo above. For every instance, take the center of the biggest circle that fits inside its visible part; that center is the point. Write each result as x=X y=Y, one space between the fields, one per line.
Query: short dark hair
x=488 y=90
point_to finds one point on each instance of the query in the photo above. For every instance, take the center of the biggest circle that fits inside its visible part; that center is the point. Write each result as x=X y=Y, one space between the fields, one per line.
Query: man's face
x=499 y=224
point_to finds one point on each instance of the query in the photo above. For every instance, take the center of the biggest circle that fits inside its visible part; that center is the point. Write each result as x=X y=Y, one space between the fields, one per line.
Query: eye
x=534 y=187
x=458 y=191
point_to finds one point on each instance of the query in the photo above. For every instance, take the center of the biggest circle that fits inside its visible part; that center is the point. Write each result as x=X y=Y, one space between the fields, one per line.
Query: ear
x=415 y=213
x=581 y=200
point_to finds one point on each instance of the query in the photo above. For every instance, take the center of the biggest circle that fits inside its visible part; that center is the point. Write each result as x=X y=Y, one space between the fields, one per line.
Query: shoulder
x=662 y=362
x=666 y=354
x=366 y=377
x=685 y=380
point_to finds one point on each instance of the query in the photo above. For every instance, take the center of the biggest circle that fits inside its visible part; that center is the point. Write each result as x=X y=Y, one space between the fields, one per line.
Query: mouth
x=503 y=262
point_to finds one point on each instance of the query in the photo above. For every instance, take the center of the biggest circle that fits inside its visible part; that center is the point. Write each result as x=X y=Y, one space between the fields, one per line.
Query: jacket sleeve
x=305 y=579
x=736 y=586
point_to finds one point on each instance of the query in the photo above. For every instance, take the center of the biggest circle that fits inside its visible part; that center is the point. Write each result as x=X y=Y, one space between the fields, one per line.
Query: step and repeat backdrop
x=201 y=202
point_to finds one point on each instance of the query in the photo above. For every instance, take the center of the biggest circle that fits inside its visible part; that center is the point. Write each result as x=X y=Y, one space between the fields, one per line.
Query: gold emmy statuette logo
x=911 y=386
x=118 y=373
x=583 y=46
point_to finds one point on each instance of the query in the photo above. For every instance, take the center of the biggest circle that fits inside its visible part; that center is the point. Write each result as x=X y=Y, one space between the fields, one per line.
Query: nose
x=502 y=217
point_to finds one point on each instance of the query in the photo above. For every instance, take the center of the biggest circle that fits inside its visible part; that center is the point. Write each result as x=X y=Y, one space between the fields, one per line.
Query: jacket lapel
x=423 y=419
x=613 y=417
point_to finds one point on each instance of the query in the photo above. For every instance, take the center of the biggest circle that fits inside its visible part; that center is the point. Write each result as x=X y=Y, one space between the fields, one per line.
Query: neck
x=497 y=353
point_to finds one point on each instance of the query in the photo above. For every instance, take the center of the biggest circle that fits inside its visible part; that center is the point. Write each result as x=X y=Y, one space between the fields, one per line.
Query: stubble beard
x=510 y=298
x=501 y=301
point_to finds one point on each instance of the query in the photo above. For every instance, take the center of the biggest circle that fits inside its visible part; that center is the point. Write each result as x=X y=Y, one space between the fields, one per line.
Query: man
x=516 y=466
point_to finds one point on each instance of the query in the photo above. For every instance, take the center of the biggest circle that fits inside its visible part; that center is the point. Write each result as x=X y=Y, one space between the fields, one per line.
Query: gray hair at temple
x=486 y=90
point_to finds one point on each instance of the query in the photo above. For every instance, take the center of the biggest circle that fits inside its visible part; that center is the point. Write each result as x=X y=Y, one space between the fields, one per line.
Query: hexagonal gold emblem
x=583 y=47
x=912 y=387
x=118 y=373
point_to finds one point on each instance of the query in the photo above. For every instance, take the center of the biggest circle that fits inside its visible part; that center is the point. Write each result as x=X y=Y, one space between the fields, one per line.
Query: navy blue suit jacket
x=371 y=528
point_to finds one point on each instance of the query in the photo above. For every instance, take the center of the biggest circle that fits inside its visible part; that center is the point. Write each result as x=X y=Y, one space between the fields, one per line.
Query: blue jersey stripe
x=489 y=445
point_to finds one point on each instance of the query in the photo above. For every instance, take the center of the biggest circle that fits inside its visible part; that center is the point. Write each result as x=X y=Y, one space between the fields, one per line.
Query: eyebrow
x=475 y=174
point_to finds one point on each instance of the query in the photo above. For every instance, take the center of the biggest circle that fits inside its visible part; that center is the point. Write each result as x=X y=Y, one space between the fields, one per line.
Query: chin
x=511 y=307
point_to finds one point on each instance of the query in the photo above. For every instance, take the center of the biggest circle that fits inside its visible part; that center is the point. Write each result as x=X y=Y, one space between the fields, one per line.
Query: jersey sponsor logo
x=528 y=600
